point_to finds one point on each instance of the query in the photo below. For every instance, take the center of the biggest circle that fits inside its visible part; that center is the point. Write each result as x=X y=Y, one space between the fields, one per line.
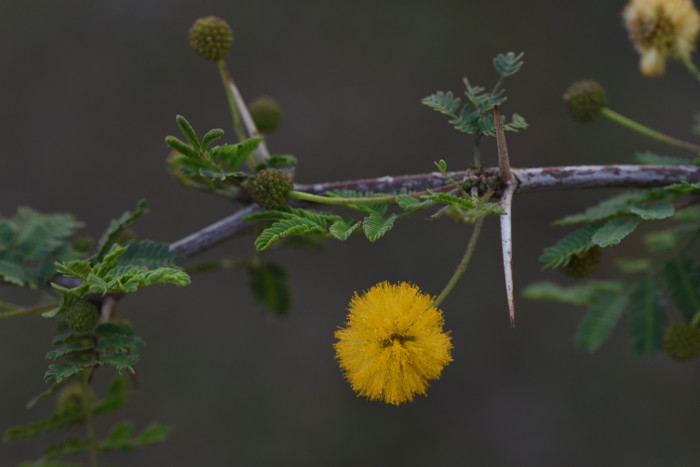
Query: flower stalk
x=462 y=266
x=644 y=130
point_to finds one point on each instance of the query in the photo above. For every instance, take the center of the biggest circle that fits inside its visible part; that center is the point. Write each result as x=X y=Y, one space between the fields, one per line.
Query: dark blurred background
x=88 y=90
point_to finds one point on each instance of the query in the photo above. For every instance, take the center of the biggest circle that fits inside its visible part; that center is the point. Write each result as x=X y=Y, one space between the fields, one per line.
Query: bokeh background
x=88 y=90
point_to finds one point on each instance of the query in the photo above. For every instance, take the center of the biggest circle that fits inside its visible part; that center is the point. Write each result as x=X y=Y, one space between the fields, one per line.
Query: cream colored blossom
x=393 y=343
x=660 y=29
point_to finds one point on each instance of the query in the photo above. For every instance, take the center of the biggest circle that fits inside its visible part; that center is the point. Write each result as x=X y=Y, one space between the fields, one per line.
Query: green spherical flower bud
x=211 y=37
x=72 y=399
x=682 y=341
x=582 y=264
x=585 y=99
x=270 y=188
x=82 y=316
x=266 y=114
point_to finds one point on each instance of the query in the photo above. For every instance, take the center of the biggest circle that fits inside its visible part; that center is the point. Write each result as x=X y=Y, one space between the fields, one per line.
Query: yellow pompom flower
x=660 y=29
x=392 y=343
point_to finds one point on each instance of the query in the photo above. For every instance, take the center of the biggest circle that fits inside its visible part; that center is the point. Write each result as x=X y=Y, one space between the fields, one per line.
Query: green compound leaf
x=128 y=279
x=189 y=132
x=150 y=255
x=467 y=121
x=683 y=188
x=117 y=395
x=96 y=285
x=57 y=373
x=70 y=447
x=30 y=243
x=51 y=390
x=574 y=243
x=181 y=147
x=270 y=287
x=658 y=210
x=120 y=361
x=647 y=316
x=442 y=102
x=117 y=227
x=600 y=320
x=232 y=156
x=508 y=64
x=613 y=231
x=286 y=212
x=343 y=228
x=121 y=436
x=36 y=235
x=682 y=278
x=277 y=161
x=584 y=294
x=452 y=200
x=55 y=422
x=79 y=269
x=72 y=348
x=478 y=96
x=613 y=207
x=7 y=234
x=211 y=136
x=376 y=226
x=649 y=158
x=153 y=433
x=120 y=432
x=286 y=227
x=217 y=175
x=113 y=276
x=14 y=273
x=517 y=123
x=120 y=344
x=410 y=202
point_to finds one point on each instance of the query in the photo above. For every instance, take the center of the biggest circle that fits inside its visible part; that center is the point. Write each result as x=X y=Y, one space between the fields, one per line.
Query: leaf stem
x=9 y=306
x=462 y=264
x=638 y=127
x=27 y=311
x=341 y=201
x=90 y=420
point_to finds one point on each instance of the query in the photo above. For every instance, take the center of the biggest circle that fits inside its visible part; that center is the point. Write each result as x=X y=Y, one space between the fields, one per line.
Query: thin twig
x=529 y=180
x=27 y=311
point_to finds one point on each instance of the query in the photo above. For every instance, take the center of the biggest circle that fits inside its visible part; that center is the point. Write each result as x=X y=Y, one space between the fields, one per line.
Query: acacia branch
x=529 y=180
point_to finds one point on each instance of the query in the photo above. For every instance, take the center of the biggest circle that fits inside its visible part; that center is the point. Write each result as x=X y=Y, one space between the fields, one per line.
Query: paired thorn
x=247 y=119
x=510 y=182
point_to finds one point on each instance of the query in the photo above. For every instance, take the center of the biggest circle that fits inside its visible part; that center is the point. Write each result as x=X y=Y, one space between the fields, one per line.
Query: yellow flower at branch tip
x=392 y=343
x=660 y=29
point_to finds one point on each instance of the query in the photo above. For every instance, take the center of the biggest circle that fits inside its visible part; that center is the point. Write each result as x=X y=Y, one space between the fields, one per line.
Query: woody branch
x=529 y=180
